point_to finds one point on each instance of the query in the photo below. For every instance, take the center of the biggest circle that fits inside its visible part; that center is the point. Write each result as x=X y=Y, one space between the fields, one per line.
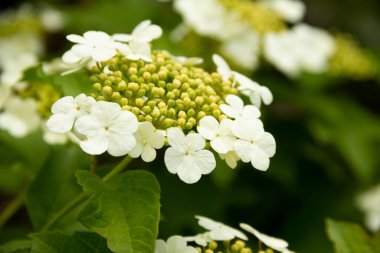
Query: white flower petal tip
x=107 y=128
x=219 y=231
x=144 y=32
x=235 y=108
x=271 y=242
x=187 y=156
x=222 y=67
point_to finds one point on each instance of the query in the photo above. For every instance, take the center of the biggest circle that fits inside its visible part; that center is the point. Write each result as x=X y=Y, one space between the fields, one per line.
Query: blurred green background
x=327 y=132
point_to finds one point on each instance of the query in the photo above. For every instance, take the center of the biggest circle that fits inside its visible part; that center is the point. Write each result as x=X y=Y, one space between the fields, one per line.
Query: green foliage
x=55 y=186
x=16 y=246
x=58 y=242
x=125 y=210
x=351 y=238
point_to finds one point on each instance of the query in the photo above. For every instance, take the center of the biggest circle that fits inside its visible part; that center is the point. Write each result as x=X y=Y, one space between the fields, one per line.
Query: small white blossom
x=66 y=110
x=98 y=46
x=14 y=67
x=231 y=158
x=147 y=141
x=187 y=156
x=218 y=231
x=236 y=109
x=52 y=20
x=174 y=244
x=255 y=91
x=369 y=203
x=271 y=242
x=220 y=135
x=200 y=239
x=107 y=128
x=144 y=32
x=290 y=10
x=136 y=50
x=254 y=144
x=20 y=116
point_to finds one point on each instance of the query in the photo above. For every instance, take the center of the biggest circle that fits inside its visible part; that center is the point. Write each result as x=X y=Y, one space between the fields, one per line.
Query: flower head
x=187 y=157
x=174 y=244
x=147 y=141
x=218 y=231
x=254 y=144
x=107 y=128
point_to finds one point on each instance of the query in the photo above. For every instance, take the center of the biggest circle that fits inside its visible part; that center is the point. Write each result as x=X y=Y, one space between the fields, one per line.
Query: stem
x=13 y=206
x=83 y=196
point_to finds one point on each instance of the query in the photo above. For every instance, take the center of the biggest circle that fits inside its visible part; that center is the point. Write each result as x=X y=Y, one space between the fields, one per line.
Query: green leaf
x=125 y=210
x=351 y=238
x=16 y=246
x=58 y=242
x=55 y=186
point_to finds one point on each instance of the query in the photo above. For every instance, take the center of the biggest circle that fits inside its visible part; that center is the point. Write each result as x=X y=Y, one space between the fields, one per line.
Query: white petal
x=96 y=37
x=251 y=112
x=137 y=150
x=175 y=243
x=103 y=54
x=60 y=123
x=222 y=66
x=122 y=37
x=161 y=247
x=173 y=159
x=235 y=101
x=223 y=144
x=267 y=143
x=76 y=38
x=64 y=105
x=231 y=158
x=189 y=172
x=195 y=142
x=157 y=140
x=229 y=111
x=82 y=50
x=247 y=129
x=70 y=57
x=176 y=138
x=88 y=125
x=272 y=242
x=266 y=95
x=243 y=150
x=204 y=160
x=149 y=154
x=259 y=159
x=120 y=144
x=208 y=127
x=95 y=145
x=124 y=123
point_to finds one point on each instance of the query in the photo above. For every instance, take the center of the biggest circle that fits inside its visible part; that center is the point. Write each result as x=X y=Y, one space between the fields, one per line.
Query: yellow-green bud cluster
x=237 y=247
x=163 y=91
x=44 y=94
x=262 y=18
x=352 y=61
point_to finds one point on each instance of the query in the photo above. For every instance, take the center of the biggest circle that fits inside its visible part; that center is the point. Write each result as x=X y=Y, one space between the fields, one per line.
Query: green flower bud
x=135 y=111
x=107 y=90
x=139 y=102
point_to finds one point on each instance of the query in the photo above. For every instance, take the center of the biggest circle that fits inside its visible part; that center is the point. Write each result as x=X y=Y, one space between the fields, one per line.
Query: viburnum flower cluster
x=217 y=231
x=145 y=100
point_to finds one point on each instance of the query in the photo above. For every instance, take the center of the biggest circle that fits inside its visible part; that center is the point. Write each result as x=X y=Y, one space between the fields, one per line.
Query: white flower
x=231 y=158
x=136 y=50
x=271 y=242
x=236 y=109
x=186 y=156
x=200 y=239
x=290 y=10
x=5 y=92
x=254 y=144
x=52 y=20
x=107 y=128
x=147 y=140
x=174 y=244
x=98 y=46
x=143 y=32
x=20 y=116
x=66 y=110
x=369 y=203
x=255 y=91
x=218 y=231
x=220 y=135
x=14 y=68
x=72 y=63
x=303 y=48
x=189 y=60
x=54 y=138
